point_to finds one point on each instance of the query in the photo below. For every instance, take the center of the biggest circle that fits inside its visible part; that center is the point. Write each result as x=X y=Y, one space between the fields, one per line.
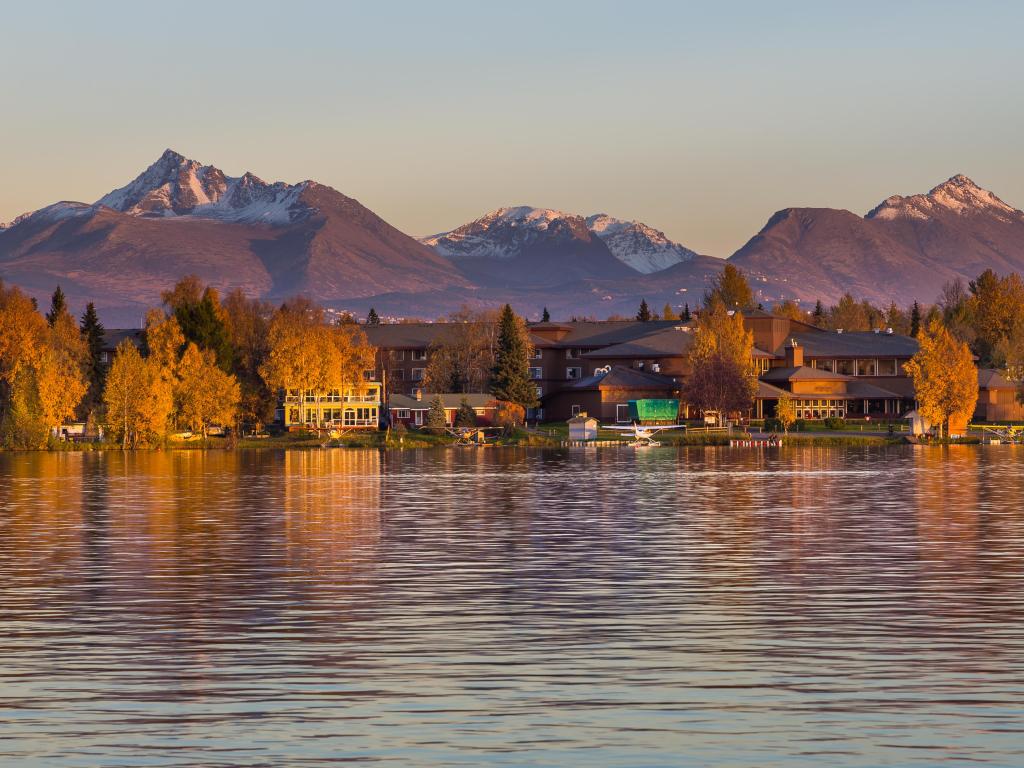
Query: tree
x=731 y=288
x=723 y=377
x=138 y=398
x=58 y=306
x=686 y=313
x=790 y=309
x=994 y=310
x=204 y=394
x=372 y=318
x=785 y=412
x=667 y=313
x=92 y=333
x=22 y=425
x=545 y=316
x=437 y=421
x=60 y=372
x=915 y=319
x=849 y=315
x=465 y=416
x=462 y=356
x=248 y=323
x=22 y=334
x=510 y=379
x=643 y=314
x=201 y=317
x=944 y=375
x=818 y=316
x=897 y=319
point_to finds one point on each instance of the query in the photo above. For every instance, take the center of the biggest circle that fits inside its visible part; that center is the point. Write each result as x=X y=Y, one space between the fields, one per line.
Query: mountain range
x=274 y=240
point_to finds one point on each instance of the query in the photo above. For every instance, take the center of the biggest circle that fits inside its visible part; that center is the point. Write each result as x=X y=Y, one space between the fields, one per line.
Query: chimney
x=794 y=355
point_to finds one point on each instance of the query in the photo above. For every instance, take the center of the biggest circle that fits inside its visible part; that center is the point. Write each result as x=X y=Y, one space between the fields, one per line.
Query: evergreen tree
x=436 y=419
x=92 y=333
x=819 y=314
x=644 y=313
x=511 y=378
x=372 y=318
x=545 y=316
x=465 y=416
x=915 y=319
x=58 y=306
x=686 y=313
x=202 y=318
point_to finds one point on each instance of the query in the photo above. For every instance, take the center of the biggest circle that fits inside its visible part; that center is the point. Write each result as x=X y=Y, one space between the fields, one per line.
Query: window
x=824 y=365
x=573 y=373
x=540 y=391
x=536 y=373
x=572 y=354
x=398 y=374
x=537 y=354
x=401 y=413
x=866 y=368
x=417 y=374
x=369 y=375
x=333 y=396
x=886 y=367
x=622 y=412
x=418 y=418
x=397 y=354
x=844 y=367
x=418 y=354
x=575 y=410
x=104 y=357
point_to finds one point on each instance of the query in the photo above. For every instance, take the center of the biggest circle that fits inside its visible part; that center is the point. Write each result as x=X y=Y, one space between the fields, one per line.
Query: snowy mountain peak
x=958 y=194
x=637 y=245
x=176 y=186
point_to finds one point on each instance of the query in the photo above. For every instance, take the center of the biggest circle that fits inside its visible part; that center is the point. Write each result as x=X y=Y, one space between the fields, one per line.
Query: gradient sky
x=698 y=120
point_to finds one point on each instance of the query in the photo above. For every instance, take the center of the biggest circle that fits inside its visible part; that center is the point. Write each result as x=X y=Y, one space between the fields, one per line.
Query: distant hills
x=275 y=240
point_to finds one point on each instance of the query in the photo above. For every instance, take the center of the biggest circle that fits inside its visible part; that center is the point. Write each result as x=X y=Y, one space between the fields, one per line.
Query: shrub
x=834 y=422
x=772 y=425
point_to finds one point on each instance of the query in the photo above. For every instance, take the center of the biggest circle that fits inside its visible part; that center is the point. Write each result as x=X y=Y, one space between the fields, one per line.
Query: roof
x=450 y=400
x=803 y=373
x=404 y=335
x=766 y=391
x=856 y=389
x=602 y=333
x=112 y=337
x=853 y=344
x=663 y=342
x=620 y=377
x=990 y=378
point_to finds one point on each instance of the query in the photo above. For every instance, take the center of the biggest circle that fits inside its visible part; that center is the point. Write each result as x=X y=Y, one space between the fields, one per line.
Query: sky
x=700 y=119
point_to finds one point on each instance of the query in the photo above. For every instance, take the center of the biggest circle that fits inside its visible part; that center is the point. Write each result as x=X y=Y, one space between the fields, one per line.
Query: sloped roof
x=404 y=335
x=598 y=333
x=853 y=344
x=990 y=378
x=803 y=373
x=766 y=391
x=857 y=388
x=664 y=342
x=112 y=337
x=620 y=377
x=450 y=400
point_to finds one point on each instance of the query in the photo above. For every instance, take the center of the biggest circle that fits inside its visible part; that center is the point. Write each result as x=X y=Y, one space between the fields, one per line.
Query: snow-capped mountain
x=637 y=245
x=177 y=186
x=958 y=195
x=507 y=232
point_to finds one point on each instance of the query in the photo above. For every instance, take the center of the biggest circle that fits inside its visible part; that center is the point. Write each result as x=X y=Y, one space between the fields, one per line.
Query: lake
x=510 y=607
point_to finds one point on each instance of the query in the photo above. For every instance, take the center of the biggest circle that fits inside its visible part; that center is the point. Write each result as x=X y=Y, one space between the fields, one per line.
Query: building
x=606 y=394
x=999 y=397
x=411 y=410
x=345 y=408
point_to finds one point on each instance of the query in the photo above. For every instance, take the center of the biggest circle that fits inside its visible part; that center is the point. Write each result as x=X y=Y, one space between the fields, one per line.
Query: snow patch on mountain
x=637 y=245
x=175 y=186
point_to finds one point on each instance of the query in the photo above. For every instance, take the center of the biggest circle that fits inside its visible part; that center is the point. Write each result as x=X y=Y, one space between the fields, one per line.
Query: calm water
x=700 y=607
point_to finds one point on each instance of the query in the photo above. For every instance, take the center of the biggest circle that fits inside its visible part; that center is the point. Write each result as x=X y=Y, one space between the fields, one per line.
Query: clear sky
x=700 y=119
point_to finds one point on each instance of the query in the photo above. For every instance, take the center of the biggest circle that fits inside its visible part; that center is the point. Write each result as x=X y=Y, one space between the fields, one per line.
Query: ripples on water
x=705 y=607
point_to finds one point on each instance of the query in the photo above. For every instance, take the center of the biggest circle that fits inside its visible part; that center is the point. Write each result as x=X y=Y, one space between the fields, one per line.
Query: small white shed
x=919 y=425
x=583 y=427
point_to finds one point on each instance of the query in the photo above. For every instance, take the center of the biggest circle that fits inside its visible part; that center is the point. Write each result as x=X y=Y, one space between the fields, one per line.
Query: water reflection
x=509 y=607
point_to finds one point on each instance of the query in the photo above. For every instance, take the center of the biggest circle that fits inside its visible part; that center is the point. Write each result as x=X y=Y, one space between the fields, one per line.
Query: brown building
x=999 y=398
x=607 y=393
x=412 y=411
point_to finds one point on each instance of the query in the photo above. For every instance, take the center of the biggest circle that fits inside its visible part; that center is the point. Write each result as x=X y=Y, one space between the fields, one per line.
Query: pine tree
x=58 y=306
x=545 y=316
x=511 y=378
x=92 y=333
x=372 y=318
x=437 y=421
x=686 y=313
x=819 y=314
x=644 y=313
x=915 y=319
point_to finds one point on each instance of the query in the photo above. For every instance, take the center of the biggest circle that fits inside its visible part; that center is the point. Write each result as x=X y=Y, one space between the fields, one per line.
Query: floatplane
x=643 y=436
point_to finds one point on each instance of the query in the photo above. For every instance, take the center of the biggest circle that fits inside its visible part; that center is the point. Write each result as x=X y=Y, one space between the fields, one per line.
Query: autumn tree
x=248 y=322
x=667 y=313
x=61 y=371
x=944 y=375
x=995 y=310
x=510 y=378
x=785 y=412
x=204 y=395
x=790 y=309
x=731 y=288
x=201 y=317
x=723 y=377
x=138 y=398
x=848 y=315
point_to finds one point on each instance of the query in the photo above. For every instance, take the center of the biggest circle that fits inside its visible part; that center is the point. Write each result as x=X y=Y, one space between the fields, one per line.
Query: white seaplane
x=643 y=436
